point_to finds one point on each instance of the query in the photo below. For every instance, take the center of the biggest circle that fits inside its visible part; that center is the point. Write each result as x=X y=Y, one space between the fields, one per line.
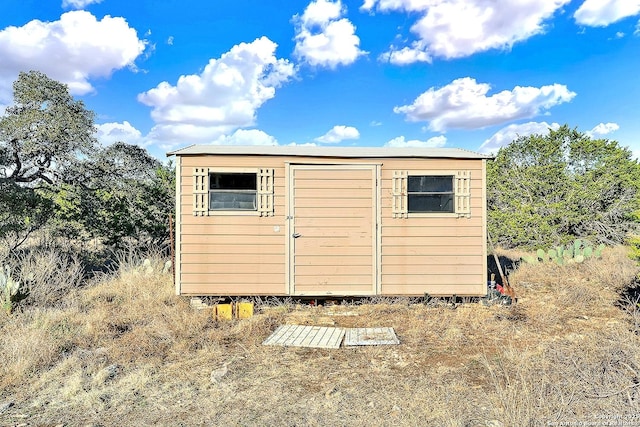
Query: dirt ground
x=128 y=352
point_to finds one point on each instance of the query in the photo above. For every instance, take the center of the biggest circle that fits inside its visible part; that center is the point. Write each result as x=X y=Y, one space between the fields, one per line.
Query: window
x=232 y=191
x=428 y=193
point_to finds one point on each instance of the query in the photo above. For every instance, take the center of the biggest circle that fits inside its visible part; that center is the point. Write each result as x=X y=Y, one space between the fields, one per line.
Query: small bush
x=634 y=247
x=48 y=276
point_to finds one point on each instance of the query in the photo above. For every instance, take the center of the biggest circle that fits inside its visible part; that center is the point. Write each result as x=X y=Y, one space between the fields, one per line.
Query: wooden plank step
x=370 y=336
x=306 y=336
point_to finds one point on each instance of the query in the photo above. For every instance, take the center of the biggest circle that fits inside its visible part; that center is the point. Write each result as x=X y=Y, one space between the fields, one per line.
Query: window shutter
x=463 y=194
x=265 y=192
x=400 y=208
x=200 y=191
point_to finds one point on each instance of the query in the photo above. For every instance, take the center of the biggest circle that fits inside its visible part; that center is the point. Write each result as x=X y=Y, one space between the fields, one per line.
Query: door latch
x=296 y=235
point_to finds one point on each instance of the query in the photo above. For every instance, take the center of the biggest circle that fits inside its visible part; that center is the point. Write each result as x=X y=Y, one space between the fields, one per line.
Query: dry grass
x=126 y=351
x=48 y=277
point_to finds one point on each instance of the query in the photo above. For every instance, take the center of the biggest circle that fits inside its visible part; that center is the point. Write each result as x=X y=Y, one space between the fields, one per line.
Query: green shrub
x=634 y=247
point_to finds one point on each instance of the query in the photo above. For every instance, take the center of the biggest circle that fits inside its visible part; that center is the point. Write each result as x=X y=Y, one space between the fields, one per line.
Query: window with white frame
x=223 y=191
x=428 y=193
x=231 y=191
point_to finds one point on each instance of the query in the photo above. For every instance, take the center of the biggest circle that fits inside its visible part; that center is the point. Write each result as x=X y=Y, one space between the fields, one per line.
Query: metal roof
x=311 y=151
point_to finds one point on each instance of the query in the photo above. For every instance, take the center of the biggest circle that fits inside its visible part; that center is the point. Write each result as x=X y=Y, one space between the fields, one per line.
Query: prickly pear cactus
x=147 y=267
x=568 y=252
x=8 y=288
x=577 y=244
x=576 y=252
x=167 y=267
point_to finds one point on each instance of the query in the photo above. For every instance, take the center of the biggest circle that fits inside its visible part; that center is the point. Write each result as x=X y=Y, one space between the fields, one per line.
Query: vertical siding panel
x=485 y=267
x=178 y=227
x=344 y=197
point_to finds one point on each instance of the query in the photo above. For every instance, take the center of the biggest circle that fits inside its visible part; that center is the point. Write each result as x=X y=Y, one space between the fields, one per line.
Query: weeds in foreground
x=49 y=277
x=124 y=349
x=630 y=304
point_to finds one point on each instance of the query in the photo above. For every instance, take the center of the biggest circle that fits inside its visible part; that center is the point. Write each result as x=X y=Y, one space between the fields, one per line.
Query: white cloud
x=602 y=129
x=464 y=104
x=224 y=97
x=108 y=133
x=368 y=5
x=436 y=141
x=246 y=137
x=321 y=12
x=600 y=13
x=509 y=133
x=406 y=55
x=459 y=28
x=324 y=38
x=339 y=134
x=71 y=50
x=78 y=4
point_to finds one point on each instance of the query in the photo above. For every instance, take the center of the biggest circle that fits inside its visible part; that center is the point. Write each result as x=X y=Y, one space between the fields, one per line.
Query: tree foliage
x=125 y=194
x=54 y=174
x=45 y=132
x=22 y=211
x=42 y=136
x=544 y=190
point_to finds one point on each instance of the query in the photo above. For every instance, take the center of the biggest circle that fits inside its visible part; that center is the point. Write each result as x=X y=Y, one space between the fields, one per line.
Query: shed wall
x=232 y=254
x=437 y=255
x=247 y=254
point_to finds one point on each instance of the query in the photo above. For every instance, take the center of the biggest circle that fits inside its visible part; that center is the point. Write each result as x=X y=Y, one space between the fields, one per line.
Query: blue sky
x=457 y=73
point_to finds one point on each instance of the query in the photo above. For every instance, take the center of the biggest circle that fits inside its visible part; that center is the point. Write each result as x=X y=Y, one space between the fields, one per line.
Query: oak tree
x=544 y=190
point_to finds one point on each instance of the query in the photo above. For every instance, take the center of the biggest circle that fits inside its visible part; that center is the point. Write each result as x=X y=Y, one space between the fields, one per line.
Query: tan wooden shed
x=320 y=221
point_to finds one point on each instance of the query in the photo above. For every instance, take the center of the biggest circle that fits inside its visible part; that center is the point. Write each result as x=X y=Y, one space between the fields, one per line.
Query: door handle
x=296 y=235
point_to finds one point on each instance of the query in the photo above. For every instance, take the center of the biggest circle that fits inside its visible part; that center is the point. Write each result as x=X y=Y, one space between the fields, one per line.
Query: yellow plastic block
x=244 y=310
x=224 y=312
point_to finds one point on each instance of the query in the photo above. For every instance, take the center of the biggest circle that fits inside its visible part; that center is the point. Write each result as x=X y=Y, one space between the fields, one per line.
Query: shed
x=320 y=221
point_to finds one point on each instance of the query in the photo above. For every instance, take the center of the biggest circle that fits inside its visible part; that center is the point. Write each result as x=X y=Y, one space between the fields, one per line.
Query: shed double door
x=333 y=211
